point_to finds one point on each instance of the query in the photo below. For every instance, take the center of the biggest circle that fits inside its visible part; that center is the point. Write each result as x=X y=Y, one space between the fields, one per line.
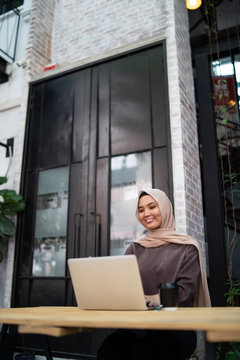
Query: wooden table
x=219 y=324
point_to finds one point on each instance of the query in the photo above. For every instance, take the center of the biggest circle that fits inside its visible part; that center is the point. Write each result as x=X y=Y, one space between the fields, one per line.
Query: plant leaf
x=3 y=239
x=7 y=194
x=3 y=244
x=7 y=226
x=3 y=180
x=11 y=208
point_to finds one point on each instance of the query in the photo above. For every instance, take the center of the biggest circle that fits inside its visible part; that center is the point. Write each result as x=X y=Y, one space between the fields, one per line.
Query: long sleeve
x=187 y=277
x=168 y=263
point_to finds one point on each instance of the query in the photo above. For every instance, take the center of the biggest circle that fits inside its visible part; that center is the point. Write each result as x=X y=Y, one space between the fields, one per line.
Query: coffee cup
x=168 y=293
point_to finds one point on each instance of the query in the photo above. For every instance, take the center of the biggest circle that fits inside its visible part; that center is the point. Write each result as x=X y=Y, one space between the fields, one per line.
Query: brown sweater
x=168 y=263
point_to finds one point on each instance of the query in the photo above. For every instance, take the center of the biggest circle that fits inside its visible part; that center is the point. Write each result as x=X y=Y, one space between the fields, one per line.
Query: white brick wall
x=189 y=145
x=40 y=35
x=83 y=29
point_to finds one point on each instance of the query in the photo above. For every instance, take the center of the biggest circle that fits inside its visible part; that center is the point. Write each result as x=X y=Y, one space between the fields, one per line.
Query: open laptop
x=107 y=283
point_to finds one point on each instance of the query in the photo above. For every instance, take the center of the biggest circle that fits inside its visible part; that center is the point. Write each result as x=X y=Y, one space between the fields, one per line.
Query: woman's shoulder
x=184 y=251
x=133 y=248
x=129 y=250
x=183 y=247
x=176 y=249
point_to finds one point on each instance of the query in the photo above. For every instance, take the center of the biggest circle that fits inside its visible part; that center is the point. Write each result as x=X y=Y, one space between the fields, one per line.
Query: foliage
x=232 y=355
x=233 y=179
x=233 y=352
x=10 y=204
x=230 y=351
x=233 y=291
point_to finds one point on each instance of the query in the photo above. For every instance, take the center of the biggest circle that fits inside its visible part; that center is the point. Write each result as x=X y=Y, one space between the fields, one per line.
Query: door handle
x=97 y=235
x=76 y=234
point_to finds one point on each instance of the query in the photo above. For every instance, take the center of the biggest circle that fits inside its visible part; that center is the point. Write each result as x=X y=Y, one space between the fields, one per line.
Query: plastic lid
x=168 y=285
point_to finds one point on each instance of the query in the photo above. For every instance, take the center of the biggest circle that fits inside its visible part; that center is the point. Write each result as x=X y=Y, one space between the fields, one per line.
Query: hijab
x=167 y=234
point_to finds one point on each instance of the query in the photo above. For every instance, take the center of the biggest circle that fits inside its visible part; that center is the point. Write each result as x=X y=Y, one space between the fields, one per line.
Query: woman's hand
x=152 y=300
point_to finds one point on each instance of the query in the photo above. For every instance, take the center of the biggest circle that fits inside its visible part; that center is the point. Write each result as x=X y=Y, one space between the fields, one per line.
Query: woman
x=163 y=256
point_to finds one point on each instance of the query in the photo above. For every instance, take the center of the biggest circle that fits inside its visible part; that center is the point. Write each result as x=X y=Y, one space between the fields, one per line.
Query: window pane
x=237 y=72
x=224 y=91
x=222 y=67
x=130 y=104
x=51 y=223
x=129 y=174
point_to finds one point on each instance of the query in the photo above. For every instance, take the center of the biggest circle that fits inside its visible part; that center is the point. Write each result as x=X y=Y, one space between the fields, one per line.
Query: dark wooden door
x=94 y=137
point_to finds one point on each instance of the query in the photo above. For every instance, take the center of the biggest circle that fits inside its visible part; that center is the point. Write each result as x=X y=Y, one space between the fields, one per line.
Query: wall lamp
x=193 y=4
x=8 y=146
x=9 y=151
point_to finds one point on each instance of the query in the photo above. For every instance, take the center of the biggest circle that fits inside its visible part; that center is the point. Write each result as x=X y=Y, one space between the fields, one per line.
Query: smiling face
x=149 y=213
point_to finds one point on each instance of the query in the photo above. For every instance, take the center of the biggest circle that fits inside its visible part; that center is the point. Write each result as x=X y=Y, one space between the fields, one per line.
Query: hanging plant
x=10 y=204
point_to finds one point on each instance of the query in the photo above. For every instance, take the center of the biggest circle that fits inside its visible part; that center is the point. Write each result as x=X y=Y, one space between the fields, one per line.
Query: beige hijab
x=167 y=234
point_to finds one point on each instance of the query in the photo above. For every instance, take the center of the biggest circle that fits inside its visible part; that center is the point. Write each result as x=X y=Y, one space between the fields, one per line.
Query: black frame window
x=7 y=5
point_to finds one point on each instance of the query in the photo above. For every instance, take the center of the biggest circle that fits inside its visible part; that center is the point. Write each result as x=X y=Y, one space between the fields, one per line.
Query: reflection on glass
x=222 y=67
x=51 y=223
x=224 y=90
x=237 y=72
x=129 y=174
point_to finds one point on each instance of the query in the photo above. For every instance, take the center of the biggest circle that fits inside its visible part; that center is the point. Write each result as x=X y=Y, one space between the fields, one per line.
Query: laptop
x=107 y=283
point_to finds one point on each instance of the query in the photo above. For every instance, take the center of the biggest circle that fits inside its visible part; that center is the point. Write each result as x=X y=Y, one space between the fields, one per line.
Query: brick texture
x=40 y=35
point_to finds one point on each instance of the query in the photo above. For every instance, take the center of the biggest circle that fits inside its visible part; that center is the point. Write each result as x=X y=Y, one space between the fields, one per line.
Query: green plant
x=233 y=355
x=228 y=351
x=10 y=204
x=233 y=291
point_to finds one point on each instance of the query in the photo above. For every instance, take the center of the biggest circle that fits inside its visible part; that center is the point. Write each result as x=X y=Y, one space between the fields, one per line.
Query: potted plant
x=10 y=204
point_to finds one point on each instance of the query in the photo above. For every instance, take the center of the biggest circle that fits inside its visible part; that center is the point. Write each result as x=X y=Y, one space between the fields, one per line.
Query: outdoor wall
x=32 y=54
x=12 y=112
x=187 y=178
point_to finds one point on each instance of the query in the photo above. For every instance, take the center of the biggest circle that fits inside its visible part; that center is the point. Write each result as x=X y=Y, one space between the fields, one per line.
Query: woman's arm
x=151 y=300
x=188 y=277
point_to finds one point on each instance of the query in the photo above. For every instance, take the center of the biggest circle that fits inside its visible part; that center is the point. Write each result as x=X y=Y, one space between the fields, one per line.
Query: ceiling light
x=193 y=4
